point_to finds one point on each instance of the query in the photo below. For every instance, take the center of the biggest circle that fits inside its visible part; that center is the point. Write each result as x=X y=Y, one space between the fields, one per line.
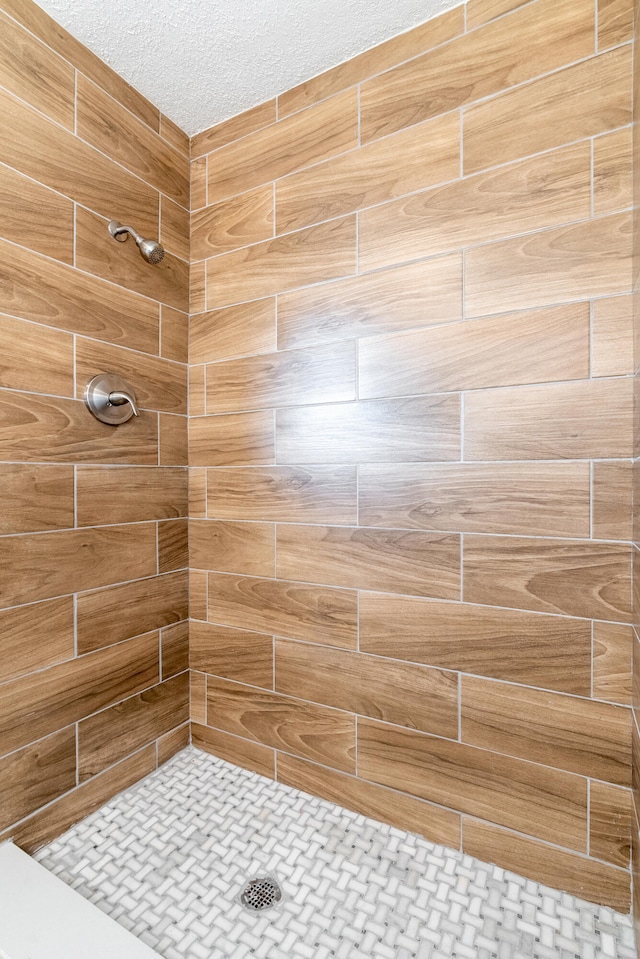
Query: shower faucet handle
x=119 y=398
x=110 y=399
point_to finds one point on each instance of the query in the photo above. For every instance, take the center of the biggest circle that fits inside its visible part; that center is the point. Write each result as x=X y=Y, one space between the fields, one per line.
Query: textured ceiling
x=201 y=61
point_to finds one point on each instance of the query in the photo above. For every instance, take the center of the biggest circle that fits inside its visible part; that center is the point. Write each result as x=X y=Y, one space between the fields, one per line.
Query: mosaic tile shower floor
x=169 y=857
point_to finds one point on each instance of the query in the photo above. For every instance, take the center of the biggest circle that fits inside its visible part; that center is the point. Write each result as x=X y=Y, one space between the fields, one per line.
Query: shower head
x=151 y=250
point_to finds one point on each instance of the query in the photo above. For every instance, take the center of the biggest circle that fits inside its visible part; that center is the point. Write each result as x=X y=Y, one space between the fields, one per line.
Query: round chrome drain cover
x=261 y=893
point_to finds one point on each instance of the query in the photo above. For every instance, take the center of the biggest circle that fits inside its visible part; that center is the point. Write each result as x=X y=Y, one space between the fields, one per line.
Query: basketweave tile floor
x=169 y=858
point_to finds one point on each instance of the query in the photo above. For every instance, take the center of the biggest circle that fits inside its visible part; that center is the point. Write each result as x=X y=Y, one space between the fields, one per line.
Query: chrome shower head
x=151 y=250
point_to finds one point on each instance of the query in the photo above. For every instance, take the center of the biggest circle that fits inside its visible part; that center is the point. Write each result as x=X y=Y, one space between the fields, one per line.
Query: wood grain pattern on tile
x=260 y=759
x=296 y=610
x=589 y=579
x=584 y=100
x=610 y=823
x=19 y=654
x=228 y=547
x=40 y=703
x=197 y=493
x=553 y=344
x=34 y=216
x=35 y=358
x=578 y=420
x=238 y=221
x=150 y=604
x=235 y=654
x=615 y=22
x=129 y=494
x=416 y=429
x=174 y=228
x=173 y=439
x=284 y=494
x=174 y=644
x=173 y=742
x=507 y=498
x=421 y=294
x=481 y=11
x=197 y=403
x=612 y=497
x=548 y=651
x=543 y=802
x=197 y=594
x=580 y=876
x=173 y=546
x=318 y=133
x=198 y=697
x=612 y=172
x=238 y=439
x=112 y=734
x=307 y=256
x=313 y=732
x=370 y=175
x=198 y=180
x=174 y=135
x=174 y=334
x=405 y=812
x=239 y=126
x=531 y=194
x=578 y=735
x=533 y=40
x=36 y=498
x=612 y=662
x=399 y=693
x=324 y=374
x=612 y=337
x=425 y=564
x=198 y=287
x=33 y=776
x=234 y=331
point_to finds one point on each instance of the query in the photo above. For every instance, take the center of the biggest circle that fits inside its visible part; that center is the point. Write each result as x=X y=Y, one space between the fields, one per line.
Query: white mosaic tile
x=169 y=857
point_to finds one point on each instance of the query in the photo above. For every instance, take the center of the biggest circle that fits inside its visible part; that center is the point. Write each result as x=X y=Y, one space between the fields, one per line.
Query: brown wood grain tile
x=584 y=100
x=197 y=287
x=308 y=256
x=35 y=775
x=552 y=344
x=174 y=135
x=589 y=579
x=612 y=662
x=481 y=11
x=43 y=565
x=197 y=403
x=610 y=824
x=173 y=742
x=425 y=564
x=612 y=337
x=547 y=651
x=415 y=429
x=234 y=331
x=322 y=131
x=297 y=610
x=112 y=129
x=174 y=334
x=48 y=153
x=237 y=439
x=421 y=294
x=173 y=440
x=112 y=734
x=572 y=262
x=198 y=176
x=612 y=172
x=35 y=217
x=35 y=358
x=371 y=174
x=579 y=420
x=174 y=644
x=197 y=493
x=580 y=876
x=324 y=374
x=40 y=703
x=23 y=628
x=542 y=802
x=46 y=429
x=129 y=494
x=239 y=126
x=197 y=594
x=284 y=494
x=51 y=822
x=41 y=290
x=532 y=41
x=577 y=735
x=174 y=228
x=615 y=22
x=198 y=697
x=173 y=547
x=237 y=221
x=404 y=812
x=241 y=752
x=99 y=254
x=313 y=732
x=400 y=693
x=235 y=654
x=431 y=34
x=612 y=496
x=150 y=604
x=532 y=194
x=507 y=498
x=35 y=498
x=228 y=547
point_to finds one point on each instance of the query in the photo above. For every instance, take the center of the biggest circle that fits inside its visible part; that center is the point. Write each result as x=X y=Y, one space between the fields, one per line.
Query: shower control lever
x=110 y=399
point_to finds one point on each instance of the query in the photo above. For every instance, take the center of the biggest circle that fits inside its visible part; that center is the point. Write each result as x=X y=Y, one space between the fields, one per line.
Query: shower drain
x=261 y=893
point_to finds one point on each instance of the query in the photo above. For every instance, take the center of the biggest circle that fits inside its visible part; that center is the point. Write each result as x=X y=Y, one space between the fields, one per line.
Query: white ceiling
x=202 y=61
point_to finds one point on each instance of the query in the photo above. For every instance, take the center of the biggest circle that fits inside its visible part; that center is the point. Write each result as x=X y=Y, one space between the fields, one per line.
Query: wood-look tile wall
x=411 y=437
x=93 y=581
